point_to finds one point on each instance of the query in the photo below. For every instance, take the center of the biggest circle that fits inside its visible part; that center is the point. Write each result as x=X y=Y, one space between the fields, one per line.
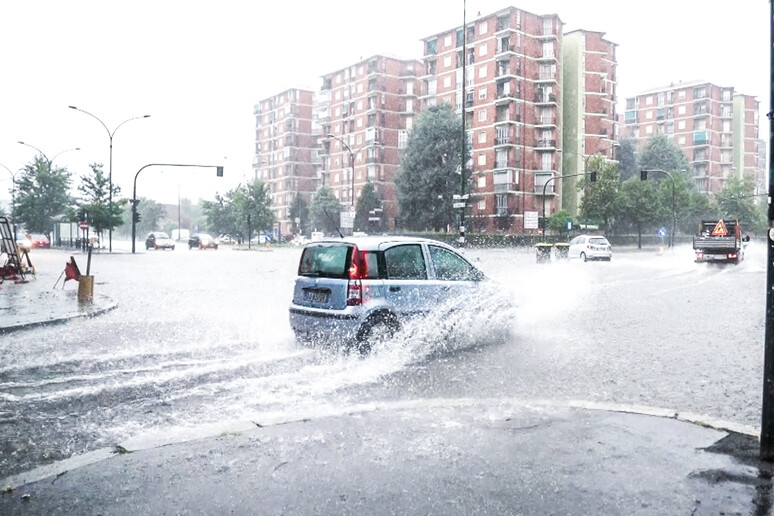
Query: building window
x=402 y=139
x=482 y=159
x=649 y=129
x=447 y=61
x=482 y=50
x=447 y=40
x=482 y=115
x=482 y=181
x=682 y=140
x=482 y=94
x=482 y=204
x=681 y=94
x=649 y=100
x=447 y=81
x=482 y=137
x=482 y=72
x=482 y=28
x=680 y=110
x=649 y=115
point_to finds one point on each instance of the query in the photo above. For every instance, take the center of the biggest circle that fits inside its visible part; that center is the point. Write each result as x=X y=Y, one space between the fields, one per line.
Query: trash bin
x=562 y=250
x=543 y=253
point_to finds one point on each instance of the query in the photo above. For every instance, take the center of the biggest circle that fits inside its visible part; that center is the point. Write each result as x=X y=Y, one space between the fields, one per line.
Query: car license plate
x=316 y=296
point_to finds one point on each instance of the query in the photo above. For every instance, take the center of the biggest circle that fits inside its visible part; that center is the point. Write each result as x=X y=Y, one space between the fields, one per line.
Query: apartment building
x=716 y=127
x=515 y=106
x=286 y=151
x=365 y=112
x=589 y=109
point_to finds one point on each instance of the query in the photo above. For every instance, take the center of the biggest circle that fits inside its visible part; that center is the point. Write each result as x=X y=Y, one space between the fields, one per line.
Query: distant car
x=159 y=240
x=34 y=241
x=590 y=247
x=227 y=239
x=361 y=290
x=202 y=241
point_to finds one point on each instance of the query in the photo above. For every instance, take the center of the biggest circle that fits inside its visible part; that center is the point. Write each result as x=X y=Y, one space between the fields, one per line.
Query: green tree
x=737 y=201
x=41 y=195
x=680 y=200
x=219 y=215
x=95 y=201
x=325 y=211
x=429 y=171
x=299 y=215
x=252 y=208
x=599 y=197
x=637 y=205
x=558 y=221
x=151 y=216
x=628 y=163
x=661 y=153
x=369 y=202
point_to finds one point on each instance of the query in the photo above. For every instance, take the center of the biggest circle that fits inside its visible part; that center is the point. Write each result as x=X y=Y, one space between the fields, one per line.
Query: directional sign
x=458 y=205
x=662 y=232
x=720 y=229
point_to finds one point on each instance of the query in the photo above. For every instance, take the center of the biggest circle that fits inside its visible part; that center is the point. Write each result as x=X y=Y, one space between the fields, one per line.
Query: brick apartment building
x=365 y=112
x=286 y=150
x=716 y=127
x=517 y=105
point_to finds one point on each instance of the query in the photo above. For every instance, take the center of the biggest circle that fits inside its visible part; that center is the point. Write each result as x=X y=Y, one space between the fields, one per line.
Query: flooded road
x=201 y=339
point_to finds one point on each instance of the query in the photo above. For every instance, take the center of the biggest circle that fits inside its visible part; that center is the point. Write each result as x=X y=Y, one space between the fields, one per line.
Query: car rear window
x=598 y=241
x=326 y=261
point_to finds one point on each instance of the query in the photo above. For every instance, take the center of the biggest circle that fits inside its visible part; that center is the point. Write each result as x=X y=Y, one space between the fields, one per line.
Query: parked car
x=590 y=247
x=34 y=241
x=202 y=241
x=227 y=239
x=159 y=240
x=360 y=290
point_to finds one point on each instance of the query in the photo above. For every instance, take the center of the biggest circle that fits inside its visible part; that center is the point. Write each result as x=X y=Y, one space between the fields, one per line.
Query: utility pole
x=767 y=410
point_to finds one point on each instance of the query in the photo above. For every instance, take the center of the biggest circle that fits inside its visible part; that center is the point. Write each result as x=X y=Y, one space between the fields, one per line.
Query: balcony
x=505 y=139
x=547 y=77
x=541 y=178
x=546 y=121
x=543 y=98
x=546 y=145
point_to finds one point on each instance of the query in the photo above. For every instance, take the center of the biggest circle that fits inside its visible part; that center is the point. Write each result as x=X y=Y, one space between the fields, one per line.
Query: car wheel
x=172 y=248
x=374 y=331
x=583 y=257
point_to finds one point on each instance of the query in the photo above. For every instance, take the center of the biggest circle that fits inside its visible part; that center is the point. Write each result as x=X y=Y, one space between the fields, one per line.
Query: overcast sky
x=199 y=67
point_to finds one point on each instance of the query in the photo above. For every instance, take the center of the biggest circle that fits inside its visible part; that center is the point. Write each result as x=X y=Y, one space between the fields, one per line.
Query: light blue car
x=360 y=290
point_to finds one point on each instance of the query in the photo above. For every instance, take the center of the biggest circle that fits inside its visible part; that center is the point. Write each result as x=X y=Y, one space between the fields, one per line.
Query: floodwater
x=200 y=342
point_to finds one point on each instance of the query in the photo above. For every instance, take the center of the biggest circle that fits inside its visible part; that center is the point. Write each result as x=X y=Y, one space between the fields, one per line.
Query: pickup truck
x=720 y=241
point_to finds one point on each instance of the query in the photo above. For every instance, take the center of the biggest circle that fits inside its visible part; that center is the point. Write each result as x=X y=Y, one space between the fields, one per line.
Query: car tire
x=583 y=257
x=172 y=248
x=376 y=330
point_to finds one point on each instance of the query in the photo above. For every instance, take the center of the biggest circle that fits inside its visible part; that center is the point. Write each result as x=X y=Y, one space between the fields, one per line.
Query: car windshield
x=328 y=261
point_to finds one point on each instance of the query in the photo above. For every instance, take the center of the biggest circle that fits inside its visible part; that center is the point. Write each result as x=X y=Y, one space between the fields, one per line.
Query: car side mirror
x=746 y=238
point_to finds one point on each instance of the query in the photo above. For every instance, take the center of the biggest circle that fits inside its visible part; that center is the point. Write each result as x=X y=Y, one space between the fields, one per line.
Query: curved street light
x=351 y=164
x=49 y=161
x=110 y=167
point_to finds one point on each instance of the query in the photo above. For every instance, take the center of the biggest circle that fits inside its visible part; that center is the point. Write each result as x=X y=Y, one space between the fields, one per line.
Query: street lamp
x=110 y=169
x=351 y=163
x=49 y=161
x=644 y=177
x=13 y=197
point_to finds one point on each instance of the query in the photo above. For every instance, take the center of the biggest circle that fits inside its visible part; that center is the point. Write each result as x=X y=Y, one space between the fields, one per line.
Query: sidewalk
x=425 y=457
x=37 y=302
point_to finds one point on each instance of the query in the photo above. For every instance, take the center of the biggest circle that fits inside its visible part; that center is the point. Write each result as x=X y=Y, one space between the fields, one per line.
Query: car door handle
x=394 y=289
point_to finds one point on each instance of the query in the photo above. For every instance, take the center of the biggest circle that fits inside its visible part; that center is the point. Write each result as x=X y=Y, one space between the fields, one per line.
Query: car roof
x=372 y=242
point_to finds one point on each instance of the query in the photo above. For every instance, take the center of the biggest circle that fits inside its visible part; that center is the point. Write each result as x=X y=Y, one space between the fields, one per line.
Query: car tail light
x=731 y=256
x=358 y=270
x=699 y=256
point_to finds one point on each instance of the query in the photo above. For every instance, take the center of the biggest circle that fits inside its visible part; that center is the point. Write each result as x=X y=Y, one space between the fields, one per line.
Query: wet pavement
x=446 y=452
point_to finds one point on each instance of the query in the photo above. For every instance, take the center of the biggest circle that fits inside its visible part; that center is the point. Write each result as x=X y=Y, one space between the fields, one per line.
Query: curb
x=110 y=305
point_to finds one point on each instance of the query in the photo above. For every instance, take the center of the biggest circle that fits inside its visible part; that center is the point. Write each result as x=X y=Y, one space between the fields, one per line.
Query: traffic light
x=643 y=175
x=136 y=217
x=220 y=172
x=593 y=177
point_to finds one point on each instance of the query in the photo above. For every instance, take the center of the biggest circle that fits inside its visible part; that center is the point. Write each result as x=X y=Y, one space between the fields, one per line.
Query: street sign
x=83 y=225
x=458 y=205
x=662 y=232
x=530 y=220
x=720 y=229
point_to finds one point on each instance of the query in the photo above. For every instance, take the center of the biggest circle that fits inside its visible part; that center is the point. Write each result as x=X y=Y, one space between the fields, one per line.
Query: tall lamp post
x=351 y=164
x=644 y=177
x=110 y=169
x=13 y=197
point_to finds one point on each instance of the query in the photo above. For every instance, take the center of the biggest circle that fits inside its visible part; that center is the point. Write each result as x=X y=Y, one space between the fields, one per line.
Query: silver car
x=360 y=290
x=590 y=247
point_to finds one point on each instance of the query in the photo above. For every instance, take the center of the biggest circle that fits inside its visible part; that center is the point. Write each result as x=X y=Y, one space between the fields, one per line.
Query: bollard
x=85 y=289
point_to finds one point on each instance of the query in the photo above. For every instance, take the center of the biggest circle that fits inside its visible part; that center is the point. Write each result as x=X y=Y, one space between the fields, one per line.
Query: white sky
x=199 y=67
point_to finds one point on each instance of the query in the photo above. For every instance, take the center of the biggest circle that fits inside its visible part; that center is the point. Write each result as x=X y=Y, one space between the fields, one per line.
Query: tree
x=599 y=197
x=661 y=153
x=367 y=203
x=737 y=201
x=628 y=164
x=558 y=221
x=429 y=171
x=219 y=215
x=95 y=201
x=678 y=200
x=41 y=195
x=252 y=208
x=325 y=211
x=637 y=205
x=299 y=215
x=151 y=214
